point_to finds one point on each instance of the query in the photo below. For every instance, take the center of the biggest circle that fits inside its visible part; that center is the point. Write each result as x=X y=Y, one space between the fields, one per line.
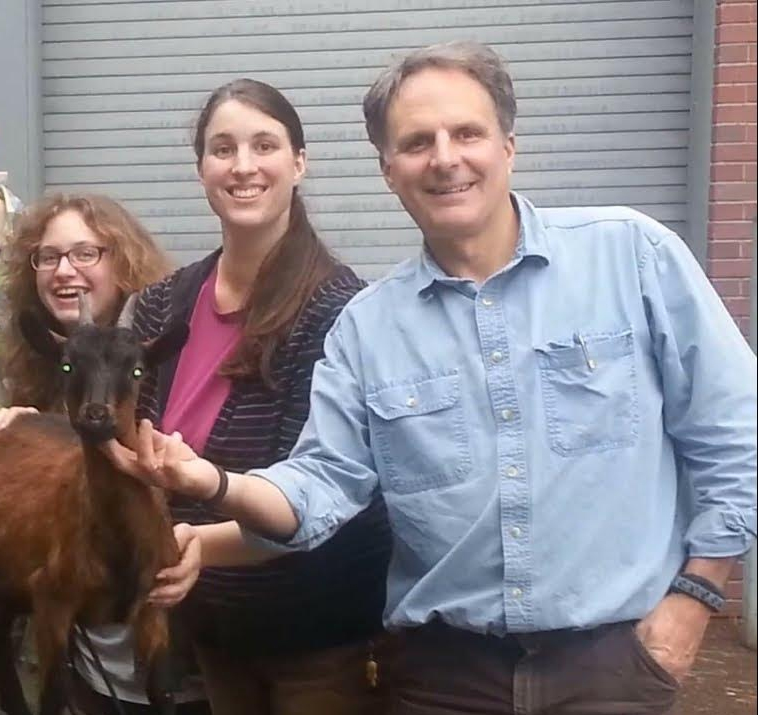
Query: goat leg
x=152 y=653
x=53 y=620
x=12 y=700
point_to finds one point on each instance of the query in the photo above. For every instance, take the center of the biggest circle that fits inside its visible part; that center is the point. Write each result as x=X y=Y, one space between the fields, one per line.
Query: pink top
x=198 y=392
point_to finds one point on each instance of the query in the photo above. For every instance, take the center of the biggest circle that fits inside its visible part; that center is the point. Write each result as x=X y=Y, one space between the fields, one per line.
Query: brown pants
x=326 y=682
x=605 y=671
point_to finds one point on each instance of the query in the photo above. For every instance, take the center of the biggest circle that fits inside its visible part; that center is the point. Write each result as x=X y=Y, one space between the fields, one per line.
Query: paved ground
x=724 y=678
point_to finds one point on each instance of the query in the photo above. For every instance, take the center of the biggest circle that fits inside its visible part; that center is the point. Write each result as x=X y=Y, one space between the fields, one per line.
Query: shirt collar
x=532 y=242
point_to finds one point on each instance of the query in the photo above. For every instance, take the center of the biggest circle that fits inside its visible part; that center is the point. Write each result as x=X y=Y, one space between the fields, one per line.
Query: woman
x=63 y=245
x=293 y=636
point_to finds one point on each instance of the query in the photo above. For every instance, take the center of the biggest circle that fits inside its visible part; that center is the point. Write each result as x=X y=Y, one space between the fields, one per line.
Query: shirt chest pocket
x=589 y=388
x=418 y=431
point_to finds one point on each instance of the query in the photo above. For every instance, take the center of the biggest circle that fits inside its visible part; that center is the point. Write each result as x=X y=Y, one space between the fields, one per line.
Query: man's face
x=446 y=157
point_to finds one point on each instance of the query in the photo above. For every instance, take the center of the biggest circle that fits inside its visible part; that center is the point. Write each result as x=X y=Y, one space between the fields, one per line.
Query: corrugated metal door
x=603 y=89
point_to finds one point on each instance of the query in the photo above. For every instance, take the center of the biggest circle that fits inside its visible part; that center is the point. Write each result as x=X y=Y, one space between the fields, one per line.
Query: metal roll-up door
x=603 y=89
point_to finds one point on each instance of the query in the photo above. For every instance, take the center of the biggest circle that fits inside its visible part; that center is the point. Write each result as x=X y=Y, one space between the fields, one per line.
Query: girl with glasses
x=63 y=244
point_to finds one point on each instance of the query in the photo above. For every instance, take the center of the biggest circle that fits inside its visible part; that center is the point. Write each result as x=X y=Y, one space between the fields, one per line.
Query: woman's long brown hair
x=295 y=266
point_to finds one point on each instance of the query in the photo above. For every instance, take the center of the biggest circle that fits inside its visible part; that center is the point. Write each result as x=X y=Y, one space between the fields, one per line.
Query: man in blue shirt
x=556 y=406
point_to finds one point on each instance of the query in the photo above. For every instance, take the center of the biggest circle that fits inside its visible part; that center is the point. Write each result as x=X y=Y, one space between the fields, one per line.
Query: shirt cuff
x=716 y=535
x=313 y=528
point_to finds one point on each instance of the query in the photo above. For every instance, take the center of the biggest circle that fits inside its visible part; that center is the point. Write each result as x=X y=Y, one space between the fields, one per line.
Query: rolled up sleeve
x=330 y=475
x=708 y=375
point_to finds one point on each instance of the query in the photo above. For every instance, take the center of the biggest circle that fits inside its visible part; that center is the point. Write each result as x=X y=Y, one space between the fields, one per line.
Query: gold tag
x=372 y=672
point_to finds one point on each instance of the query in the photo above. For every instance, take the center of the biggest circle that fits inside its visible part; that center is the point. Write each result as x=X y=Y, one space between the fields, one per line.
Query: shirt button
x=517 y=593
x=487 y=302
x=507 y=415
x=497 y=356
x=515 y=532
x=411 y=402
x=512 y=471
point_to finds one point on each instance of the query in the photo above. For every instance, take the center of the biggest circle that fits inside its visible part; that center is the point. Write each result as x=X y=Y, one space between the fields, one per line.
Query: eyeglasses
x=84 y=256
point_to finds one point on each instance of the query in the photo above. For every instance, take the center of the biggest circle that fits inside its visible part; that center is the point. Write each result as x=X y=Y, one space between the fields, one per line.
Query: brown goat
x=80 y=542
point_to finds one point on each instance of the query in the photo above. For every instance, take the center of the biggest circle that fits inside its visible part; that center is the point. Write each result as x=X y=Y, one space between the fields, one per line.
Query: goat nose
x=95 y=413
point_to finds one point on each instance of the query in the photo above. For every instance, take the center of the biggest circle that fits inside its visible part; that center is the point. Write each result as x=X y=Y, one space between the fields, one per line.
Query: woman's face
x=249 y=169
x=57 y=287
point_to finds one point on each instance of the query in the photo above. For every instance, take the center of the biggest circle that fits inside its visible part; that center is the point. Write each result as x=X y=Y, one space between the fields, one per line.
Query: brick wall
x=732 y=210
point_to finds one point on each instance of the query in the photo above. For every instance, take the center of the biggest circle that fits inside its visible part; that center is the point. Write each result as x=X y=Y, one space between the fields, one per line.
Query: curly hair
x=137 y=262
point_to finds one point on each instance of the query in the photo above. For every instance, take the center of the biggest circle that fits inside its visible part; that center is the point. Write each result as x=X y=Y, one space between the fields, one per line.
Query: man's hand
x=673 y=631
x=172 y=584
x=8 y=414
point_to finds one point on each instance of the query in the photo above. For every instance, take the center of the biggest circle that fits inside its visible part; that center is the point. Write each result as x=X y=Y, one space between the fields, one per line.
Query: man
x=559 y=413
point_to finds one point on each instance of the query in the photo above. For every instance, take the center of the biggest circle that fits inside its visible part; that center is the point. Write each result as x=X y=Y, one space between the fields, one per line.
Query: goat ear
x=42 y=340
x=167 y=344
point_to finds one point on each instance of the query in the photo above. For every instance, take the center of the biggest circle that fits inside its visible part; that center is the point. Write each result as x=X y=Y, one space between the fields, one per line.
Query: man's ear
x=386 y=168
x=510 y=151
x=42 y=340
x=167 y=344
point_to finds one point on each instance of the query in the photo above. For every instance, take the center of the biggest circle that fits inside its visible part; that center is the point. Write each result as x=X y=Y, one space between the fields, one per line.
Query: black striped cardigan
x=330 y=596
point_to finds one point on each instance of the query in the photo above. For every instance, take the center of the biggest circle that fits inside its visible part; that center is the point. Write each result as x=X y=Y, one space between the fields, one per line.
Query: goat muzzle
x=95 y=422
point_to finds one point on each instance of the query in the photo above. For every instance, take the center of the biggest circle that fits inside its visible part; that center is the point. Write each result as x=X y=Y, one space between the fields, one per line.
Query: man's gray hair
x=480 y=62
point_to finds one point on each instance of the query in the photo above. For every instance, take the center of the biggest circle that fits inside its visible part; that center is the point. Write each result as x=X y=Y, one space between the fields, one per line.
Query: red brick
x=734 y=74
x=731 y=34
x=732 y=54
x=742 y=191
x=751 y=93
x=750 y=172
x=730 y=94
x=732 y=609
x=728 y=172
x=730 y=231
x=733 y=152
x=729 y=268
x=738 y=307
x=734 y=113
x=733 y=591
x=729 y=133
x=727 y=287
x=744 y=325
x=737 y=571
x=726 y=211
x=752 y=135
x=748 y=210
x=723 y=249
x=734 y=13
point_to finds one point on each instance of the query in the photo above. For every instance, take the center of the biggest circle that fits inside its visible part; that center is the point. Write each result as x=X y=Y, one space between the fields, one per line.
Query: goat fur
x=80 y=542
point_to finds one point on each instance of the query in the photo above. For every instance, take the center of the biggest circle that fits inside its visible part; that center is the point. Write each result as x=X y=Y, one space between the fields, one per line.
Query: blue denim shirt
x=553 y=444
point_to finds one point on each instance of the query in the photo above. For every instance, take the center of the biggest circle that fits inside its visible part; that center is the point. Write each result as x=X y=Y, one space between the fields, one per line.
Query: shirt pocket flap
x=416 y=398
x=598 y=347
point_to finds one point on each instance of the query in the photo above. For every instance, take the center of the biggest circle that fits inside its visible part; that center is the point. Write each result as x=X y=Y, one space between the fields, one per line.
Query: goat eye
x=67 y=367
x=137 y=373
